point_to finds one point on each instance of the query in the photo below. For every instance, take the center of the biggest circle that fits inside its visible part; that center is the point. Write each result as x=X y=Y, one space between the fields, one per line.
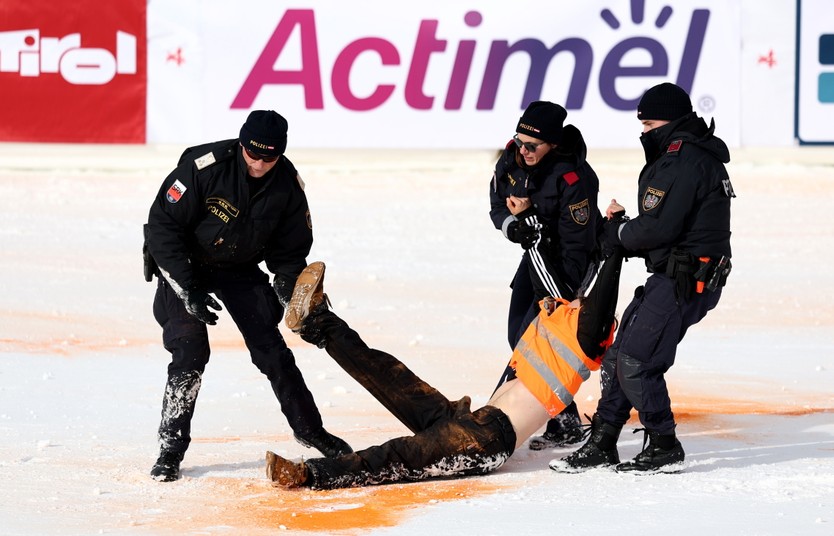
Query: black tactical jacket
x=204 y=216
x=684 y=195
x=563 y=189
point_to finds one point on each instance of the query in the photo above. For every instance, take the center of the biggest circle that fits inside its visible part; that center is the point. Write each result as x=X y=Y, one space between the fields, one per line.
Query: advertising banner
x=73 y=72
x=433 y=74
x=815 y=72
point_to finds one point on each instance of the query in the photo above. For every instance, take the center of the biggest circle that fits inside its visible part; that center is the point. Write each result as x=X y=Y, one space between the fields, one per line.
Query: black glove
x=197 y=302
x=523 y=234
x=611 y=233
x=283 y=286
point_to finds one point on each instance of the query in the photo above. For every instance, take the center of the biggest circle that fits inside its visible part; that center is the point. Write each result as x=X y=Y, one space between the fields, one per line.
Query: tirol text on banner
x=73 y=72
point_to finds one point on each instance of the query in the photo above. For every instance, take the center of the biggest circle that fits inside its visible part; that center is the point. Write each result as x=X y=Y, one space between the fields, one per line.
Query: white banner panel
x=815 y=73
x=433 y=74
x=768 y=64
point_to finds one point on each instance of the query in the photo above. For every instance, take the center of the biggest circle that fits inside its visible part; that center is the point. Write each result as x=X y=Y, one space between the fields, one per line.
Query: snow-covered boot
x=167 y=466
x=175 y=426
x=599 y=451
x=562 y=430
x=663 y=454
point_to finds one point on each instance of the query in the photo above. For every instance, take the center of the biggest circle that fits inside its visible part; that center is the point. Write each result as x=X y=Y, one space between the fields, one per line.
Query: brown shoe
x=308 y=293
x=283 y=472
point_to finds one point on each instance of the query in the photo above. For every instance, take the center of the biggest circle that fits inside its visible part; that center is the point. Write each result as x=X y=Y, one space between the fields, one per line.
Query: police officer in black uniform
x=228 y=206
x=543 y=196
x=683 y=233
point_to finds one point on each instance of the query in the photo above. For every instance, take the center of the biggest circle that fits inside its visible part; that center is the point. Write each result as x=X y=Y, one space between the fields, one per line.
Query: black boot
x=167 y=466
x=663 y=454
x=599 y=451
x=175 y=426
x=326 y=443
x=562 y=430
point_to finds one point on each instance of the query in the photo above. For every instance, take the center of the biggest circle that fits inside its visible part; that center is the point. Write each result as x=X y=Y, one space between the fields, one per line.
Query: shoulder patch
x=571 y=177
x=652 y=198
x=728 y=187
x=205 y=161
x=175 y=192
x=675 y=146
x=581 y=212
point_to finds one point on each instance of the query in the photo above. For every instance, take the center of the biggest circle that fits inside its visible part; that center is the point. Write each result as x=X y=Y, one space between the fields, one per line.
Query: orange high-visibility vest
x=549 y=361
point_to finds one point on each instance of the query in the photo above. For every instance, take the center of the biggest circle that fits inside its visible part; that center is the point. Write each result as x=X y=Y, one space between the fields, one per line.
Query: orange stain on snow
x=260 y=508
x=691 y=407
x=68 y=335
x=255 y=507
x=71 y=346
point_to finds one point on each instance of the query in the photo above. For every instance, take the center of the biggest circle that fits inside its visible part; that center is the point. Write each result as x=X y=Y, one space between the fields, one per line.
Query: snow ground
x=416 y=267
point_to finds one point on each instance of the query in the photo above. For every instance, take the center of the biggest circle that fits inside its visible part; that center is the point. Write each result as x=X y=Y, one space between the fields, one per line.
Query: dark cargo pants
x=450 y=440
x=632 y=372
x=250 y=300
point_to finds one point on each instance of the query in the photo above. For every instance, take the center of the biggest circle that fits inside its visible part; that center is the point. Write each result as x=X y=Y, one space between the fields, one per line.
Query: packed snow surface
x=414 y=264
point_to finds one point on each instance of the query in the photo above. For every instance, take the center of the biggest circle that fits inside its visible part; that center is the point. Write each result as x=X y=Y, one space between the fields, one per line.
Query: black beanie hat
x=542 y=120
x=264 y=133
x=664 y=101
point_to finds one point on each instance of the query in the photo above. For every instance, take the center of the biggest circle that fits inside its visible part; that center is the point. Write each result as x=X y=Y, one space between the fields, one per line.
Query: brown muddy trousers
x=450 y=440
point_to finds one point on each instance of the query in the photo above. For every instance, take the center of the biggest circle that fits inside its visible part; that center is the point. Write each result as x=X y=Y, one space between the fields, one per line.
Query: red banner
x=73 y=71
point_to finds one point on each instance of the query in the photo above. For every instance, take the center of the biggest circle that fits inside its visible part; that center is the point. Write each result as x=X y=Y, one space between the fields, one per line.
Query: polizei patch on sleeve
x=581 y=212
x=175 y=192
x=652 y=198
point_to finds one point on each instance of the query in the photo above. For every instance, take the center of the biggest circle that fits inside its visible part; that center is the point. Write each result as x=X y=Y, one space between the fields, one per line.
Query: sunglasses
x=256 y=156
x=531 y=147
